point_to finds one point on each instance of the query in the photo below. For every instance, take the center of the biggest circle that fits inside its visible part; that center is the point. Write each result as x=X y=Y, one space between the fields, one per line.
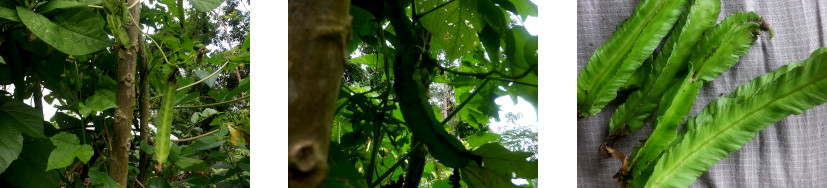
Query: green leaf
x=173 y=8
x=205 y=5
x=145 y=147
x=103 y=99
x=448 y=25
x=7 y=10
x=203 y=74
x=11 y=143
x=476 y=176
x=32 y=163
x=190 y=164
x=480 y=139
x=208 y=142
x=491 y=40
x=526 y=8
x=614 y=62
x=729 y=122
x=67 y=148
x=22 y=118
x=76 y=31
x=244 y=86
x=501 y=160
x=492 y=15
x=672 y=59
x=97 y=177
x=371 y=60
x=342 y=172
x=159 y=182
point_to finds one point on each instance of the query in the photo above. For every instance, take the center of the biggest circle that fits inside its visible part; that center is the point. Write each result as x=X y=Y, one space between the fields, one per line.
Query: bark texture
x=125 y=99
x=143 y=107
x=318 y=32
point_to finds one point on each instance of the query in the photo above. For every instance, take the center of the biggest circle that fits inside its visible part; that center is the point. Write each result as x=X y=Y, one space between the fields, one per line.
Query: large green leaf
x=614 y=62
x=11 y=143
x=501 y=160
x=205 y=5
x=342 y=172
x=736 y=34
x=498 y=166
x=7 y=10
x=77 y=31
x=32 y=165
x=203 y=74
x=729 y=122
x=454 y=25
x=525 y=8
x=672 y=59
x=190 y=164
x=68 y=148
x=100 y=178
x=103 y=99
x=23 y=118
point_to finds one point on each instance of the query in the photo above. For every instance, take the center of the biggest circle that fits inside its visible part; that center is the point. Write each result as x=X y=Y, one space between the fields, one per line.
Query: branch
x=429 y=11
x=193 y=138
x=214 y=104
x=485 y=75
x=513 y=81
x=207 y=105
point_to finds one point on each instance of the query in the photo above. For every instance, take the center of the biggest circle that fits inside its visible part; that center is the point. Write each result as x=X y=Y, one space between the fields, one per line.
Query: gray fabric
x=790 y=153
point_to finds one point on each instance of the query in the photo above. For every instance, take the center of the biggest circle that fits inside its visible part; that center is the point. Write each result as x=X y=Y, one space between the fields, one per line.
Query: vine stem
x=195 y=137
x=213 y=104
x=429 y=11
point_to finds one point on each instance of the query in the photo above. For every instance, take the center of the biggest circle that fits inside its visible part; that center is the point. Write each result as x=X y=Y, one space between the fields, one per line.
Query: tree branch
x=195 y=137
x=429 y=11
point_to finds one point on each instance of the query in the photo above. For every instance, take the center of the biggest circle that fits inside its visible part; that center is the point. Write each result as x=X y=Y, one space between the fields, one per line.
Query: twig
x=429 y=11
x=193 y=138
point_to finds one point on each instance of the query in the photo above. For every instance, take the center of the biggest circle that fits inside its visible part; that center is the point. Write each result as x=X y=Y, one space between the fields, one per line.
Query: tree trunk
x=143 y=102
x=125 y=99
x=318 y=33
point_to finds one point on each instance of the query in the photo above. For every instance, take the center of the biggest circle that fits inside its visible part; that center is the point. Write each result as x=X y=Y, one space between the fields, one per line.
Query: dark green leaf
x=11 y=143
x=23 y=118
x=8 y=11
x=32 y=163
x=100 y=178
x=77 y=31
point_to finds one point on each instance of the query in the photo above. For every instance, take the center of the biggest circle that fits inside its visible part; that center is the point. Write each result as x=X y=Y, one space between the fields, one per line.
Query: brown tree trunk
x=143 y=107
x=125 y=99
x=318 y=32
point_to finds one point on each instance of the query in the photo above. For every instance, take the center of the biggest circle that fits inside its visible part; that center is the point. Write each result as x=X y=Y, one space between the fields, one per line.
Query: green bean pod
x=165 y=120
